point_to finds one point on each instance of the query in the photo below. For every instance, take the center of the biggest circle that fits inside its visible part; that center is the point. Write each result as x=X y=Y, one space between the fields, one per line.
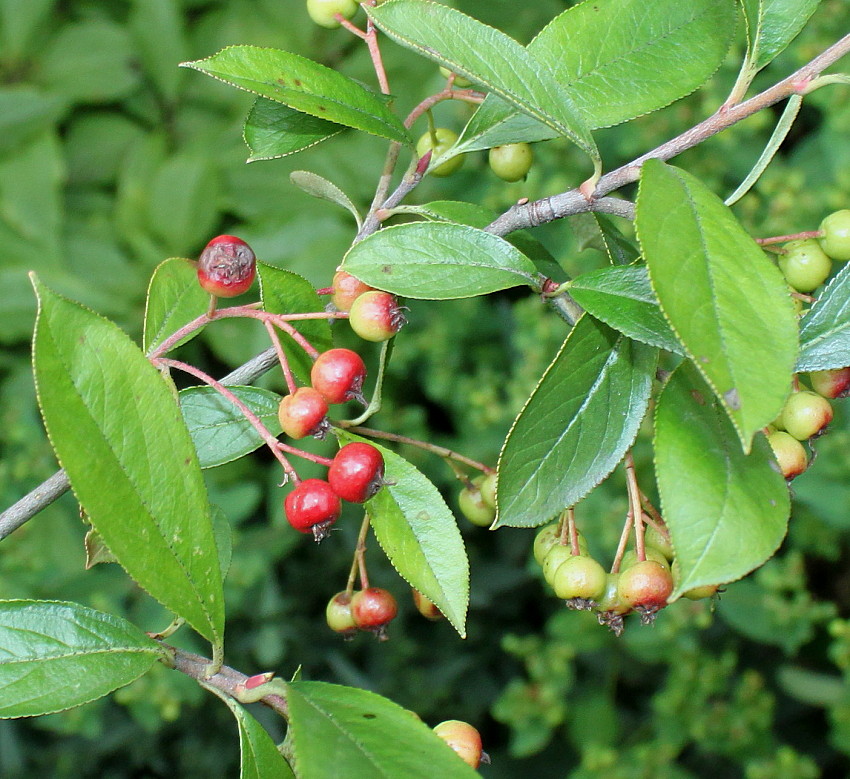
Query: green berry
x=610 y=602
x=445 y=140
x=804 y=264
x=473 y=506
x=657 y=540
x=656 y=555
x=700 y=593
x=323 y=12
x=488 y=489
x=548 y=537
x=459 y=81
x=789 y=452
x=836 y=235
x=555 y=557
x=512 y=161
x=805 y=414
x=580 y=577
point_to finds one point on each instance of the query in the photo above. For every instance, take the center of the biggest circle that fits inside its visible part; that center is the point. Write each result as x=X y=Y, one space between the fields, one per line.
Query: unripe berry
x=338 y=375
x=425 y=607
x=580 y=578
x=463 y=739
x=836 y=235
x=373 y=609
x=650 y=553
x=376 y=316
x=789 y=452
x=338 y=614
x=303 y=413
x=460 y=81
x=512 y=161
x=312 y=507
x=805 y=414
x=804 y=264
x=346 y=289
x=611 y=602
x=323 y=12
x=548 y=537
x=555 y=558
x=445 y=140
x=699 y=593
x=645 y=586
x=831 y=384
x=356 y=472
x=659 y=541
x=226 y=267
x=488 y=489
x=473 y=506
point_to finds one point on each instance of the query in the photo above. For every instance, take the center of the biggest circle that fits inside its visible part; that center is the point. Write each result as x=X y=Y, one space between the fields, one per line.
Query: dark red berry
x=227 y=266
x=356 y=472
x=338 y=614
x=346 y=289
x=376 y=316
x=312 y=507
x=338 y=375
x=373 y=609
x=303 y=413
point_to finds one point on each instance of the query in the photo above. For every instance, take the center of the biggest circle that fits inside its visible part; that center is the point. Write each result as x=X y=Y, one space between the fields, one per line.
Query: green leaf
x=219 y=431
x=617 y=59
x=223 y=539
x=119 y=434
x=622 y=297
x=486 y=57
x=284 y=292
x=24 y=113
x=174 y=299
x=260 y=758
x=578 y=423
x=157 y=26
x=727 y=511
x=825 y=329
x=772 y=25
x=273 y=130
x=727 y=303
x=317 y=186
x=597 y=231
x=304 y=85
x=54 y=656
x=419 y=535
x=436 y=261
x=333 y=726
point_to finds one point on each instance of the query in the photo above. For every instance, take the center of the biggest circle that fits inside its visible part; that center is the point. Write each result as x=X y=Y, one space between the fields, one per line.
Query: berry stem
x=652 y=516
x=281 y=357
x=791 y=237
x=624 y=540
x=304 y=455
x=325 y=291
x=634 y=506
x=375 y=403
x=440 y=451
x=357 y=563
x=270 y=440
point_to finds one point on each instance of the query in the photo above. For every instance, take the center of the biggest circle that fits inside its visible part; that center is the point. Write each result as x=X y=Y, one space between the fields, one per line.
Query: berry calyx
x=226 y=267
x=831 y=384
x=645 y=587
x=789 y=452
x=611 y=607
x=425 y=607
x=338 y=614
x=356 y=472
x=463 y=738
x=804 y=264
x=338 y=375
x=312 y=507
x=376 y=316
x=806 y=414
x=836 y=235
x=373 y=609
x=512 y=161
x=303 y=413
x=323 y=12
x=346 y=289
x=580 y=581
x=473 y=506
x=459 y=81
x=442 y=140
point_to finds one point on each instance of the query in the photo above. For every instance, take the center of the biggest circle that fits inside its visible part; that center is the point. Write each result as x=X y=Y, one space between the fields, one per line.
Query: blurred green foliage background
x=112 y=159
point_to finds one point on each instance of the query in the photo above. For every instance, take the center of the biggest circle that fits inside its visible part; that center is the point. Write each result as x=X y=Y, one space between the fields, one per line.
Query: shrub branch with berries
x=737 y=344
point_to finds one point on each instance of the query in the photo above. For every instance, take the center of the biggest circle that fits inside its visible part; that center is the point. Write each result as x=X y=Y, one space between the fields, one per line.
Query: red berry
x=356 y=472
x=463 y=739
x=312 y=507
x=338 y=614
x=373 y=609
x=425 y=607
x=227 y=266
x=831 y=384
x=376 y=316
x=645 y=586
x=346 y=289
x=338 y=375
x=303 y=413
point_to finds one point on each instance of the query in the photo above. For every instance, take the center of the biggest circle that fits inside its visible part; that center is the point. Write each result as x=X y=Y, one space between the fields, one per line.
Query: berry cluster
x=633 y=585
x=374 y=315
x=477 y=499
x=807 y=262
